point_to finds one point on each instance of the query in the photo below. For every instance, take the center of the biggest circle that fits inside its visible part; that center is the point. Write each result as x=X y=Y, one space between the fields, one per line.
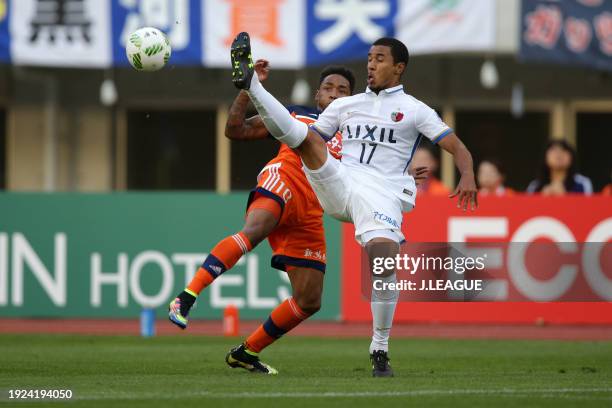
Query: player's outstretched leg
x=242 y=61
x=259 y=223
x=275 y=116
x=223 y=257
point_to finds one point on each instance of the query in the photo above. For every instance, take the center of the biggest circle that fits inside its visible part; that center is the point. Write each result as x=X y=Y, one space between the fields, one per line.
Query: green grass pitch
x=190 y=371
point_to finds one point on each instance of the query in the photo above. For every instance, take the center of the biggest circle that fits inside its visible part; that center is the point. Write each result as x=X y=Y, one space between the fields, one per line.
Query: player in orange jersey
x=284 y=209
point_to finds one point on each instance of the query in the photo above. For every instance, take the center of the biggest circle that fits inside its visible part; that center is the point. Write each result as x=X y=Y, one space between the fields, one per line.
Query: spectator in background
x=491 y=179
x=424 y=157
x=559 y=175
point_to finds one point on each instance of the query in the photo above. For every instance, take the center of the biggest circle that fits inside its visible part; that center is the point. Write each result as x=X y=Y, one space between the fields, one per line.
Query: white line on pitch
x=548 y=393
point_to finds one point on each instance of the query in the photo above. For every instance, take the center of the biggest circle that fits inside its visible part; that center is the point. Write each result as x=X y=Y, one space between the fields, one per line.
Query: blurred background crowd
x=558 y=174
x=527 y=84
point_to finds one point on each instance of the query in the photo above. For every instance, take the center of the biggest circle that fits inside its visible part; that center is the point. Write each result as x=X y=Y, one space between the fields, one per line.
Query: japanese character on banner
x=603 y=29
x=260 y=18
x=170 y=16
x=578 y=34
x=60 y=17
x=351 y=17
x=544 y=26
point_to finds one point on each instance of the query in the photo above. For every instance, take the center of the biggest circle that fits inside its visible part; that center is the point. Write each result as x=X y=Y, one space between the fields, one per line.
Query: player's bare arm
x=466 y=191
x=238 y=127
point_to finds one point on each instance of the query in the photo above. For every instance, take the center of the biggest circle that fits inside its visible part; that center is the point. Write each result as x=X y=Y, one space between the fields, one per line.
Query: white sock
x=383 y=307
x=279 y=122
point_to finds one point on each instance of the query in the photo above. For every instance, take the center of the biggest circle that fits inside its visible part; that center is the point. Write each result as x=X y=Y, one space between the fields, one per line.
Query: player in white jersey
x=371 y=186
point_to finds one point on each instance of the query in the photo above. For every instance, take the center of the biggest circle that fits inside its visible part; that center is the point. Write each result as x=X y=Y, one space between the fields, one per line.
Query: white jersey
x=380 y=134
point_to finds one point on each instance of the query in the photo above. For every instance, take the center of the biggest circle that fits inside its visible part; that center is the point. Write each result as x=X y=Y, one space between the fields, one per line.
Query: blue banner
x=5 y=45
x=335 y=33
x=567 y=32
x=289 y=33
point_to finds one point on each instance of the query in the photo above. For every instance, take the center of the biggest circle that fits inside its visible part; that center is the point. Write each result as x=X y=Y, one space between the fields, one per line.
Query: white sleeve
x=587 y=186
x=328 y=122
x=532 y=187
x=429 y=124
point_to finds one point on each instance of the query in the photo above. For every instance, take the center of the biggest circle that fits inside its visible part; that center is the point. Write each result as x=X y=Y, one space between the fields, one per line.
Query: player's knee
x=310 y=303
x=312 y=141
x=255 y=232
x=313 y=151
x=380 y=249
x=258 y=227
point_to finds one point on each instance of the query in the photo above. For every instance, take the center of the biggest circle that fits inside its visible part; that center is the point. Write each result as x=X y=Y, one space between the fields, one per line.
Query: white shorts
x=352 y=196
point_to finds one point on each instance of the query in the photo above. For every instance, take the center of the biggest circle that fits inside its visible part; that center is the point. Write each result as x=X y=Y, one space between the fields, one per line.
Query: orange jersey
x=299 y=238
x=292 y=160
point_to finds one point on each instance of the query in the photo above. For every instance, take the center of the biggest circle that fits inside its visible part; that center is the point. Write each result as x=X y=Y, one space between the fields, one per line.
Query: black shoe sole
x=242 y=61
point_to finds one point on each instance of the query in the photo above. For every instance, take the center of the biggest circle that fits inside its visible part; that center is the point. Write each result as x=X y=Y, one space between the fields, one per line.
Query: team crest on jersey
x=397 y=116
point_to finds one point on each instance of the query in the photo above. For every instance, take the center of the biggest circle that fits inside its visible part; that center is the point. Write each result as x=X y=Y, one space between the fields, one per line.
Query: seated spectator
x=491 y=179
x=424 y=157
x=559 y=175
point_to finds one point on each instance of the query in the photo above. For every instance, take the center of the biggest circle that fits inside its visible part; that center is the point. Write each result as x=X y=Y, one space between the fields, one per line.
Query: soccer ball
x=148 y=49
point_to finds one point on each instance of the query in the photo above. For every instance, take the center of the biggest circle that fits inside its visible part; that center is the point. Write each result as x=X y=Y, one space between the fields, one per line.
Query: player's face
x=382 y=72
x=334 y=86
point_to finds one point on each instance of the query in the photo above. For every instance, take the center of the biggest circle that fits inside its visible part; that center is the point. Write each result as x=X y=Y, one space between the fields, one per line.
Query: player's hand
x=420 y=174
x=262 y=67
x=466 y=192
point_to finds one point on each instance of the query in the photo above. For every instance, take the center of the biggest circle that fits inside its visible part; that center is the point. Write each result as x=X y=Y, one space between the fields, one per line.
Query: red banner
x=569 y=220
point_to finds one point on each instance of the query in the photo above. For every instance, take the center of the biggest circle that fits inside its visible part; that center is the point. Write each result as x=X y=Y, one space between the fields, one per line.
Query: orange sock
x=223 y=257
x=202 y=279
x=285 y=317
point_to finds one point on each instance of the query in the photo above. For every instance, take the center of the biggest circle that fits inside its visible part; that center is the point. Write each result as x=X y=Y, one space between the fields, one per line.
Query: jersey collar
x=394 y=89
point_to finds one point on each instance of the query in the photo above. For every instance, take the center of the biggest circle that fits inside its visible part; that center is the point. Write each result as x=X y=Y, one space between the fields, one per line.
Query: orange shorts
x=299 y=238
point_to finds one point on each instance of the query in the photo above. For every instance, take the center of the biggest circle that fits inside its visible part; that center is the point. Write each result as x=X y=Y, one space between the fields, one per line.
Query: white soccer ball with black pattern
x=148 y=49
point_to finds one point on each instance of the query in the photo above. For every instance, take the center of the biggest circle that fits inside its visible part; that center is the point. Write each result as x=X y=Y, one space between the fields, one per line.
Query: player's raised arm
x=466 y=190
x=237 y=126
x=429 y=124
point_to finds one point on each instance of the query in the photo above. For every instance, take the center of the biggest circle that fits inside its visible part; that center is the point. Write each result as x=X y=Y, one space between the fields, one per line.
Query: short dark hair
x=399 y=52
x=338 y=70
